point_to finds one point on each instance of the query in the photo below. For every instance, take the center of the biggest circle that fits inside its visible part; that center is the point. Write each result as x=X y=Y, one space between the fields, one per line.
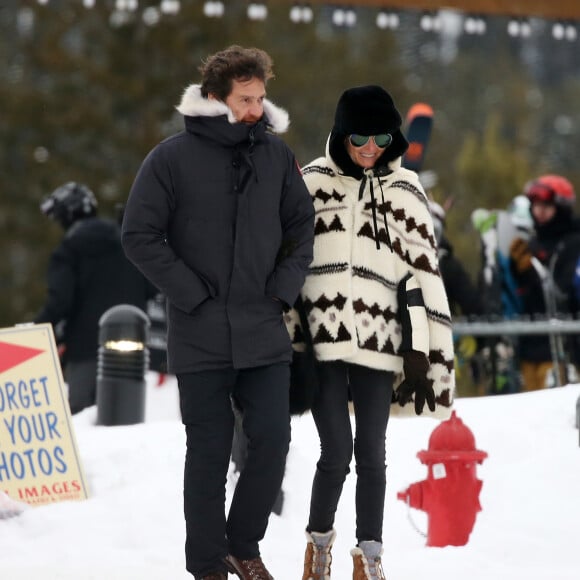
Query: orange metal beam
x=549 y=9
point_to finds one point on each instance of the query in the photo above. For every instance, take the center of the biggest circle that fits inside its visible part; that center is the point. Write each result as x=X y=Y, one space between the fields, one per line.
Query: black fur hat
x=367 y=110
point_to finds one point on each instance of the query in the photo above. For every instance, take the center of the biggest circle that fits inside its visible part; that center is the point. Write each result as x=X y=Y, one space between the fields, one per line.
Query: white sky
x=132 y=525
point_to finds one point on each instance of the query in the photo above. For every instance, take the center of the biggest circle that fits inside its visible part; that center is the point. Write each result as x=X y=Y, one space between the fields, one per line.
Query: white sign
x=39 y=459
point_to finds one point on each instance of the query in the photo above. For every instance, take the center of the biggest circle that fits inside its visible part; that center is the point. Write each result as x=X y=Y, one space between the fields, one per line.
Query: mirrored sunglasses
x=383 y=140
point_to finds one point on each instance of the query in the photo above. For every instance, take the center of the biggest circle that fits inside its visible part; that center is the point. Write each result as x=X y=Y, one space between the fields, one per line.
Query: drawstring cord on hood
x=374 y=210
x=389 y=244
x=361 y=189
x=367 y=173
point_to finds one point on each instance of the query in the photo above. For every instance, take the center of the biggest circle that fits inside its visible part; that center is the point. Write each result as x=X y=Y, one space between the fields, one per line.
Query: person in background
x=88 y=273
x=376 y=307
x=550 y=254
x=220 y=220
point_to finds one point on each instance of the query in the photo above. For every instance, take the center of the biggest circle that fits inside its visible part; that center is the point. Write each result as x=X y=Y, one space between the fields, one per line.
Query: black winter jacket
x=219 y=219
x=88 y=273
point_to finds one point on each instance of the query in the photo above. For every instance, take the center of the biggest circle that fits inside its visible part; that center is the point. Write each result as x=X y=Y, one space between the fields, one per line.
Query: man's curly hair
x=233 y=63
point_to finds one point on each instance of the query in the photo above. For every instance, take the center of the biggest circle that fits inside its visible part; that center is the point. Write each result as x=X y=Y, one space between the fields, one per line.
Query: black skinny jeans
x=206 y=411
x=371 y=392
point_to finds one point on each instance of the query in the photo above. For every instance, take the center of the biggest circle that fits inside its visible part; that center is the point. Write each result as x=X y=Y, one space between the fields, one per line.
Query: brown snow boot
x=318 y=558
x=253 y=569
x=367 y=561
x=216 y=576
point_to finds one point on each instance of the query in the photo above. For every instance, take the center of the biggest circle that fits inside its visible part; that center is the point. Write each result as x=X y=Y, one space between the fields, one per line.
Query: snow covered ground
x=132 y=525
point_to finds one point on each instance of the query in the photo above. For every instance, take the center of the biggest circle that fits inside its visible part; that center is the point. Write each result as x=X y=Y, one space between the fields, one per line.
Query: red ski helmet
x=551 y=189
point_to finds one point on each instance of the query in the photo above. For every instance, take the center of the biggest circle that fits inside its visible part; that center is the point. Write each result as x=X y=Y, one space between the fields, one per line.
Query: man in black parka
x=88 y=273
x=219 y=219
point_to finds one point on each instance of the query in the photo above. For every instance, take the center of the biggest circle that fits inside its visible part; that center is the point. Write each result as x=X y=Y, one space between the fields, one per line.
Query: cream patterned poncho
x=350 y=294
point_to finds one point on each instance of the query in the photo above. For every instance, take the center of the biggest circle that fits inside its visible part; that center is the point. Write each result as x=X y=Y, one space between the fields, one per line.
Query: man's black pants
x=206 y=412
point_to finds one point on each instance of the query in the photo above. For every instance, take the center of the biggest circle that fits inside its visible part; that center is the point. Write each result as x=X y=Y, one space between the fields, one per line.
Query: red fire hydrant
x=450 y=494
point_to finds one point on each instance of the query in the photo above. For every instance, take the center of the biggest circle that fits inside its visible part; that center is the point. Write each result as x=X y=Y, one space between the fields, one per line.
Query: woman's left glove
x=415 y=367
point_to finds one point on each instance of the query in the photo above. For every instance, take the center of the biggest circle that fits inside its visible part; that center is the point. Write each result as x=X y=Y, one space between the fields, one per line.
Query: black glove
x=415 y=367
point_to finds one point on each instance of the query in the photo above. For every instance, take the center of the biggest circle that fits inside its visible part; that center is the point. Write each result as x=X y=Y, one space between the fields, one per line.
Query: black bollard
x=122 y=363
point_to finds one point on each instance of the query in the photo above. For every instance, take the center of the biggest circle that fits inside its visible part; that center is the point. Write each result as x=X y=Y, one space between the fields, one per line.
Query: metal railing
x=554 y=327
x=516 y=326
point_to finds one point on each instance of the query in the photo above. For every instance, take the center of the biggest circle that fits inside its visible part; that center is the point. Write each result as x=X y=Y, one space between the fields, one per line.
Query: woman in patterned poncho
x=377 y=311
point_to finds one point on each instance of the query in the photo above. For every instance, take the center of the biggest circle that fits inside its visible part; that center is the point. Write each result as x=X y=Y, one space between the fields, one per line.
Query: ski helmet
x=551 y=189
x=69 y=203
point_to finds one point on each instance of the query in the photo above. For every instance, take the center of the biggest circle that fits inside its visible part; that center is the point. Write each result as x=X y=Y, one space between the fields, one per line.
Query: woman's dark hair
x=233 y=63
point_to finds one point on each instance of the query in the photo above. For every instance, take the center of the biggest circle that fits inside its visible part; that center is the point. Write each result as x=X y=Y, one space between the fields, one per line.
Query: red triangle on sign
x=12 y=355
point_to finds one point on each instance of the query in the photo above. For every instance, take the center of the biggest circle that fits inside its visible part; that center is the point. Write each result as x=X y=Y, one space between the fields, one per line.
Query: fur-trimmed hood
x=194 y=105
